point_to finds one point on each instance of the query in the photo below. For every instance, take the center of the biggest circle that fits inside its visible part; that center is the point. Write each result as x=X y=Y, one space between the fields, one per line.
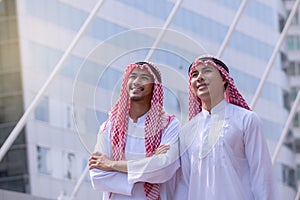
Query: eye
x=207 y=70
x=132 y=76
x=145 y=78
x=194 y=74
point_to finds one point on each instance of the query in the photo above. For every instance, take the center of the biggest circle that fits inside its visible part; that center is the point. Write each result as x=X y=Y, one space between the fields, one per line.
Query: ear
x=223 y=79
x=225 y=83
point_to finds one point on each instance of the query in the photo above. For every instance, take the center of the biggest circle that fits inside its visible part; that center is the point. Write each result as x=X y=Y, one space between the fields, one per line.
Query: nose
x=136 y=81
x=200 y=77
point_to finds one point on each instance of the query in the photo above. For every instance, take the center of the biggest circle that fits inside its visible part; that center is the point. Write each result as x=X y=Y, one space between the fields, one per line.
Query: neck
x=138 y=109
x=209 y=105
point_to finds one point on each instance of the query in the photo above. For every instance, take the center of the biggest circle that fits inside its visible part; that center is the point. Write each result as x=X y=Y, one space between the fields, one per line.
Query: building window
x=42 y=110
x=286 y=100
x=294 y=92
x=297 y=68
x=284 y=62
x=297 y=145
x=70 y=166
x=293 y=42
x=296 y=120
x=294 y=69
x=298 y=172
x=43 y=157
x=288 y=176
x=281 y=23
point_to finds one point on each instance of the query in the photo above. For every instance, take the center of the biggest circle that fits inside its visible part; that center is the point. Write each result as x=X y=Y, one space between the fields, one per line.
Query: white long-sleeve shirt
x=224 y=156
x=156 y=169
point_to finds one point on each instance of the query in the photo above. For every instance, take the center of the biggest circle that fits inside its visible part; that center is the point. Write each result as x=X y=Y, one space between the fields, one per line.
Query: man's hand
x=100 y=161
x=162 y=149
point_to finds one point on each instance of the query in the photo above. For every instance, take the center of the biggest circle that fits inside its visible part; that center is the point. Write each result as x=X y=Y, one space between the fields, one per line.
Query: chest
x=135 y=142
x=219 y=137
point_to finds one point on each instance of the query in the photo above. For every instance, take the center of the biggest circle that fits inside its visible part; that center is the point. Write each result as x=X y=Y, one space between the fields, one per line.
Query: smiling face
x=207 y=83
x=140 y=85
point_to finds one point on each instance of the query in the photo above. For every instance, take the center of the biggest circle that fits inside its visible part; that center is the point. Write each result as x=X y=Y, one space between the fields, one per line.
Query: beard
x=136 y=99
x=140 y=98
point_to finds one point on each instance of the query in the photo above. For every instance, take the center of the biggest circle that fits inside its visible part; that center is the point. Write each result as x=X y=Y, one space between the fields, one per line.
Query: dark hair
x=215 y=60
x=155 y=72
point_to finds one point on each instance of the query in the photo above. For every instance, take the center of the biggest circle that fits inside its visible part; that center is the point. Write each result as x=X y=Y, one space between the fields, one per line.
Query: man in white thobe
x=224 y=155
x=136 y=156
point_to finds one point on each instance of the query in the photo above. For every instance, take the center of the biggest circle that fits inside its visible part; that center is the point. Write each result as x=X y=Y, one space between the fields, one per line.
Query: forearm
x=156 y=169
x=120 y=166
x=107 y=180
x=102 y=162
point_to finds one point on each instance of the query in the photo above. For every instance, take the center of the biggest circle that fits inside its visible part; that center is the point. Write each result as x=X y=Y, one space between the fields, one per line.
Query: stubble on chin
x=135 y=98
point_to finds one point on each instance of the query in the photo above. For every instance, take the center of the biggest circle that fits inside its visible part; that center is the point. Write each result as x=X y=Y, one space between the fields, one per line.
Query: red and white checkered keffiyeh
x=232 y=95
x=156 y=121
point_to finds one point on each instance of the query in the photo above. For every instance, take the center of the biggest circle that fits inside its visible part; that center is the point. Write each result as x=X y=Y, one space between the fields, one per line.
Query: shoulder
x=171 y=130
x=242 y=112
x=170 y=121
x=174 y=120
x=247 y=117
x=105 y=126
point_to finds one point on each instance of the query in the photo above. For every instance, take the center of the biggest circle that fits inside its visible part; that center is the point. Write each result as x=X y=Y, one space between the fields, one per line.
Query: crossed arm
x=105 y=173
x=100 y=161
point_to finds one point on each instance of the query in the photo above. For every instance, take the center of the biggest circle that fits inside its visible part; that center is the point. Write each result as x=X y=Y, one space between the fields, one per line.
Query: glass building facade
x=293 y=50
x=13 y=167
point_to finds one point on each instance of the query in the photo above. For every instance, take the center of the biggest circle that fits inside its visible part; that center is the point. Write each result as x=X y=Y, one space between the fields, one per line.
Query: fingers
x=93 y=163
x=162 y=149
x=95 y=155
x=99 y=161
x=94 y=160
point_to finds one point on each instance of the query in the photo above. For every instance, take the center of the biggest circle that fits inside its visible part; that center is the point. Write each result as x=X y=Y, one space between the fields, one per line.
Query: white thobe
x=224 y=156
x=156 y=169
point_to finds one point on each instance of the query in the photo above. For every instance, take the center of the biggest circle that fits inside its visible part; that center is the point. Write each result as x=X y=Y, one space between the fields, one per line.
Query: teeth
x=137 y=89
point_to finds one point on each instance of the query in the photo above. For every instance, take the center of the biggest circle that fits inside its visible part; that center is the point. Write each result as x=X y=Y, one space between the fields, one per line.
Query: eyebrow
x=142 y=74
x=203 y=68
x=207 y=66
